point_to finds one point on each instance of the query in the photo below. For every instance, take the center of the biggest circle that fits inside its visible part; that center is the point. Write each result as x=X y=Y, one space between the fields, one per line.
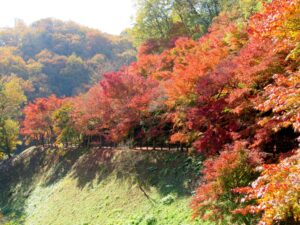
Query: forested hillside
x=61 y=58
x=218 y=79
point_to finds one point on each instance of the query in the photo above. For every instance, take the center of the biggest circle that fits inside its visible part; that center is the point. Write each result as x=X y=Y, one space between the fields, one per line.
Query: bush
x=168 y=200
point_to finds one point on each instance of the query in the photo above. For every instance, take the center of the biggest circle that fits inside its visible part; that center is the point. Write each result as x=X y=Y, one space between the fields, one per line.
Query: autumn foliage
x=38 y=123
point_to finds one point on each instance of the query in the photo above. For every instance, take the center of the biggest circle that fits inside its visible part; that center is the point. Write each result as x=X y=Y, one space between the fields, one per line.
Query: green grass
x=96 y=186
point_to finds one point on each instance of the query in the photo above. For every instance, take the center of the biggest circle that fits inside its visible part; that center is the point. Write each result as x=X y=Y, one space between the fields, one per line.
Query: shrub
x=168 y=200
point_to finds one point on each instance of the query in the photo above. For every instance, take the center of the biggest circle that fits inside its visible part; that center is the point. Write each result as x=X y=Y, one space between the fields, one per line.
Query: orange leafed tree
x=38 y=123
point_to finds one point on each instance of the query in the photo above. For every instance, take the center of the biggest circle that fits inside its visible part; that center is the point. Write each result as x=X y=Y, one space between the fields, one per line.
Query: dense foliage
x=231 y=95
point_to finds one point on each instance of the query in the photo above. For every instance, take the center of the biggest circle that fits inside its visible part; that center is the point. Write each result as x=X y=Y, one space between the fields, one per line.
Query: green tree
x=163 y=20
x=11 y=99
x=64 y=126
x=153 y=20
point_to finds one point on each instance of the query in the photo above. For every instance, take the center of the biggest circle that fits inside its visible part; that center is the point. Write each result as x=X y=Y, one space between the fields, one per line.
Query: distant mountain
x=61 y=58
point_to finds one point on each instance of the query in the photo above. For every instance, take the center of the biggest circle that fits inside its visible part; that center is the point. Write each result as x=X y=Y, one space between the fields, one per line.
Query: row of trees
x=233 y=95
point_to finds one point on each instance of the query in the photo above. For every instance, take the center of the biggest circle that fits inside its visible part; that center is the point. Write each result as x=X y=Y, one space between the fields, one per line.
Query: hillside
x=98 y=186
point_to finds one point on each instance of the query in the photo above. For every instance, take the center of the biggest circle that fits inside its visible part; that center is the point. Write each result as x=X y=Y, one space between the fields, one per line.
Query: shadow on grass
x=62 y=165
x=167 y=172
x=17 y=178
x=19 y=175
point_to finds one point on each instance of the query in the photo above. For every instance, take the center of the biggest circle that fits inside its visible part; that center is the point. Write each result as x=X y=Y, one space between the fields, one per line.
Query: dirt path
x=141 y=149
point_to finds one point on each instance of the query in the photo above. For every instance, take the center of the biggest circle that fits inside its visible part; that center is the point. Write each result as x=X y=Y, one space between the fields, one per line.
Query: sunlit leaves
x=283 y=99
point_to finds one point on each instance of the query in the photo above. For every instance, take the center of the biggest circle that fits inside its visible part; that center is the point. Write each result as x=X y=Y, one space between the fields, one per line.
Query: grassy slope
x=97 y=187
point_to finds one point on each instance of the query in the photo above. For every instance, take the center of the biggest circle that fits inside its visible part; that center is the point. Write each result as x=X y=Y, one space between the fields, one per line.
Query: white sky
x=110 y=16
